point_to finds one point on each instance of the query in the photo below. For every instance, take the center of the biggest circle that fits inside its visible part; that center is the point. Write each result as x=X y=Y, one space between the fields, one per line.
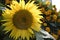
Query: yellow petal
x=31 y=31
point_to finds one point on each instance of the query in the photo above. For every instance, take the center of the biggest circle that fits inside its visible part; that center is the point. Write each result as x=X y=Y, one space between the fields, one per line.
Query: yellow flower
x=22 y=19
x=55 y=36
x=48 y=2
x=48 y=12
x=45 y=24
x=54 y=17
x=48 y=18
x=47 y=29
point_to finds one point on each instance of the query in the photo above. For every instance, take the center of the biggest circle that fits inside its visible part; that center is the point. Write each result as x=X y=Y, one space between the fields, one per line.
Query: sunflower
x=22 y=20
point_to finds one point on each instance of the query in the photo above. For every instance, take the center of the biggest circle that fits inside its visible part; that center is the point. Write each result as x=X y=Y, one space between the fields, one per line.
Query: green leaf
x=1 y=5
x=7 y=38
x=39 y=0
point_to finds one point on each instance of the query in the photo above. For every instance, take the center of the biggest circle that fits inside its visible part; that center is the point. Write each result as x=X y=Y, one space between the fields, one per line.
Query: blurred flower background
x=51 y=19
x=56 y=2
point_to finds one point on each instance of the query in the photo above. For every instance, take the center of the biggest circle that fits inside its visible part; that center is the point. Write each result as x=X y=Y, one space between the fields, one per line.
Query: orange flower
x=43 y=9
x=58 y=20
x=54 y=17
x=55 y=36
x=48 y=12
x=58 y=32
x=8 y=1
x=47 y=29
x=48 y=18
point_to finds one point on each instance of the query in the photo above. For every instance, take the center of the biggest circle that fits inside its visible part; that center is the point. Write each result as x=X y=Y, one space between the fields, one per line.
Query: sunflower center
x=22 y=19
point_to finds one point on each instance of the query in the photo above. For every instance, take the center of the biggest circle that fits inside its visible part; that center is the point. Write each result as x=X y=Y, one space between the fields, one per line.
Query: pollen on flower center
x=22 y=19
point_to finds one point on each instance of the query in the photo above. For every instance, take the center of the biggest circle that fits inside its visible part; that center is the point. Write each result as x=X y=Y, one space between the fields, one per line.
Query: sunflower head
x=22 y=19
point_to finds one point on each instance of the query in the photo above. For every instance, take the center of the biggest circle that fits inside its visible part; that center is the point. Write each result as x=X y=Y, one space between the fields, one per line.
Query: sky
x=57 y=3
